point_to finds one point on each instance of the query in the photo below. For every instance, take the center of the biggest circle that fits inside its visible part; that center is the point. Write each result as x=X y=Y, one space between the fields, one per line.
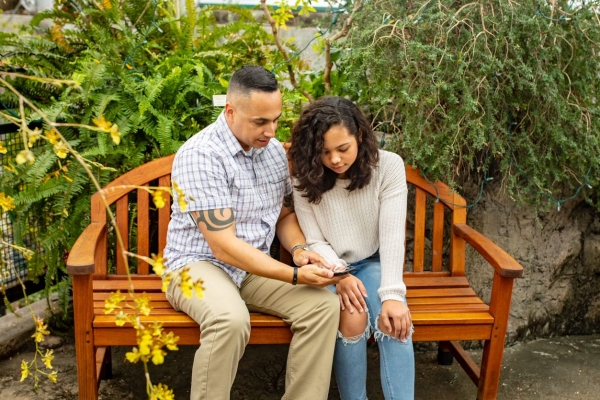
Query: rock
x=591 y=253
x=51 y=342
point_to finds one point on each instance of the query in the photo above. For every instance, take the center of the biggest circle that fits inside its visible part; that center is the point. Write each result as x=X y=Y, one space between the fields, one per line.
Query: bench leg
x=491 y=362
x=84 y=338
x=444 y=355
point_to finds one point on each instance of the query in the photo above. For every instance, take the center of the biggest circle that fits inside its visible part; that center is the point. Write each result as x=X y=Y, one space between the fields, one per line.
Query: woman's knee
x=353 y=325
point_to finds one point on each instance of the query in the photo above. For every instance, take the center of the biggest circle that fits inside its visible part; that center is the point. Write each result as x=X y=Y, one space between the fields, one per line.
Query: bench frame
x=443 y=306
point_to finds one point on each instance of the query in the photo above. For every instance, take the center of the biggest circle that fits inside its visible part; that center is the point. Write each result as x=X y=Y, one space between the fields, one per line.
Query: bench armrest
x=502 y=262
x=82 y=257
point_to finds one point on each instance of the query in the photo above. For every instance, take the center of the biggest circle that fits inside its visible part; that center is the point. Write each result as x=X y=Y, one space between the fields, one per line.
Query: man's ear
x=229 y=111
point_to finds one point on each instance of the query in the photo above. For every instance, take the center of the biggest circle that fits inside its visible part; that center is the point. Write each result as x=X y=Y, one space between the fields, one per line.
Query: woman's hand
x=395 y=319
x=351 y=293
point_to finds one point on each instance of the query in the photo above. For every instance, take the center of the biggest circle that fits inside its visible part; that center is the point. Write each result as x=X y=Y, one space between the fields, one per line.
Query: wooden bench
x=443 y=305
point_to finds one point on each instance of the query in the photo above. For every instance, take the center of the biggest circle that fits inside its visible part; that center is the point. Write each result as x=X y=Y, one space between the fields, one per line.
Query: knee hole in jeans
x=354 y=324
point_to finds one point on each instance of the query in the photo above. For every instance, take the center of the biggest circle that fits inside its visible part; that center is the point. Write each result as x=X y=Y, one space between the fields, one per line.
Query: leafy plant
x=144 y=65
x=508 y=90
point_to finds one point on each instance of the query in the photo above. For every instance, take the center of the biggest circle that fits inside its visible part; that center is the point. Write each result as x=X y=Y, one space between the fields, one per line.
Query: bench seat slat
x=154 y=283
x=411 y=294
x=282 y=335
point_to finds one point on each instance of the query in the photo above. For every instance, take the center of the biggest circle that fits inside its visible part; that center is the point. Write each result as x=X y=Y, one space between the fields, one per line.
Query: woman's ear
x=360 y=135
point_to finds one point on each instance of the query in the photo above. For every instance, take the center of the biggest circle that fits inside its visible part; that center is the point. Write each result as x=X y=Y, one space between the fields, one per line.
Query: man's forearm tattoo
x=215 y=220
x=288 y=201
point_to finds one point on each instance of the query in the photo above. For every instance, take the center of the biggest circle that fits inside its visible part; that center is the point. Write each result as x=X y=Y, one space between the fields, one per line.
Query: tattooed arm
x=218 y=228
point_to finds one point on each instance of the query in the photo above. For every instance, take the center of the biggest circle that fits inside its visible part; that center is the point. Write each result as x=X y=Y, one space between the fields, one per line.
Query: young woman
x=350 y=199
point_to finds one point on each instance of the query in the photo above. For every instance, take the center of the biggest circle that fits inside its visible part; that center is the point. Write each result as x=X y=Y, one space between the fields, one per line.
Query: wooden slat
x=419 y=244
x=427 y=274
x=143 y=229
x=164 y=214
x=154 y=297
x=428 y=333
x=438 y=189
x=456 y=292
x=414 y=282
x=457 y=244
x=134 y=277
x=153 y=283
x=466 y=318
x=123 y=228
x=438 y=236
x=445 y=300
x=445 y=308
x=190 y=336
x=184 y=321
x=148 y=285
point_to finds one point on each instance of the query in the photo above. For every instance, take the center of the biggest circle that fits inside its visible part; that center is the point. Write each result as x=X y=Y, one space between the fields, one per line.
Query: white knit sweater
x=347 y=227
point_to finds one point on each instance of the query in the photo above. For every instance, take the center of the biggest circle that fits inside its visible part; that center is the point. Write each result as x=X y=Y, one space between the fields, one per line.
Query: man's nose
x=270 y=130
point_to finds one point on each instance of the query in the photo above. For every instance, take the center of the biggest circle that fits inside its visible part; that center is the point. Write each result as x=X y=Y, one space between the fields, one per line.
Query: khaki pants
x=313 y=314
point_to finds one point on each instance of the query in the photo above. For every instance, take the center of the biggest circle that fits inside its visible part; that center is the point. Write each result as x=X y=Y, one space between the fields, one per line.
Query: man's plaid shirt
x=214 y=172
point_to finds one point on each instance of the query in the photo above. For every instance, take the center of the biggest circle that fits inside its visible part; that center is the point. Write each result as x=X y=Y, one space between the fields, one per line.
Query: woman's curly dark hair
x=313 y=178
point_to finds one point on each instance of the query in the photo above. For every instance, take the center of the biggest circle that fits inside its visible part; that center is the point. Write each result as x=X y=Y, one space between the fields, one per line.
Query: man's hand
x=352 y=294
x=315 y=275
x=303 y=257
x=395 y=319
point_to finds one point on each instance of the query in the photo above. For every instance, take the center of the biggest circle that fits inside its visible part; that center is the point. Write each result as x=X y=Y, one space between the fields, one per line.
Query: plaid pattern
x=215 y=172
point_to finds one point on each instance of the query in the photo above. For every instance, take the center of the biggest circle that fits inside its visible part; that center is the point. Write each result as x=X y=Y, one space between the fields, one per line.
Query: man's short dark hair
x=250 y=78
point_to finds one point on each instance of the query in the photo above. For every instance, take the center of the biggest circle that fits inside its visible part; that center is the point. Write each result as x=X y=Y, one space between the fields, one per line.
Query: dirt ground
x=557 y=368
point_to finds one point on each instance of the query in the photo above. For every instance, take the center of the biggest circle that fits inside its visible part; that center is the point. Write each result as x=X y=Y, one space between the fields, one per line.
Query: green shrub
x=508 y=90
x=141 y=67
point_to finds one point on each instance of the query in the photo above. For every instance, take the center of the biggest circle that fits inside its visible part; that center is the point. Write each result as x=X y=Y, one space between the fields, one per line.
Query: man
x=237 y=178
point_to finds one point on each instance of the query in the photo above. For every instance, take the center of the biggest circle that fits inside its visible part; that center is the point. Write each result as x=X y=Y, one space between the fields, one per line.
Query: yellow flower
x=113 y=302
x=120 y=318
x=158 y=355
x=133 y=356
x=6 y=202
x=25 y=156
x=143 y=304
x=165 y=283
x=170 y=340
x=24 y=370
x=158 y=264
x=34 y=136
x=186 y=283
x=161 y=392
x=106 y=4
x=3 y=149
x=145 y=343
x=27 y=253
x=40 y=330
x=115 y=134
x=158 y=199
x=180 y=197
x=47 y=358
x=53 y=376
x=102 y=123
x=61 y=149
x=52 y=136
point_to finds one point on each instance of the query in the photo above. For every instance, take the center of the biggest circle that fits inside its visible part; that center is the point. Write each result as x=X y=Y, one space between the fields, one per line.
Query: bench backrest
x=435 y=248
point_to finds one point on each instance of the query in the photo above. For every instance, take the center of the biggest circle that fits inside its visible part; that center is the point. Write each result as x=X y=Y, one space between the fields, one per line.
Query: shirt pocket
x=244 y=198
x=274 y=190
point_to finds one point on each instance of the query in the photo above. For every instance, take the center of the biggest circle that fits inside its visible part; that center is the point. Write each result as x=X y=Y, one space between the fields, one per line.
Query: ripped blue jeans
x=397 y=362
